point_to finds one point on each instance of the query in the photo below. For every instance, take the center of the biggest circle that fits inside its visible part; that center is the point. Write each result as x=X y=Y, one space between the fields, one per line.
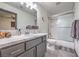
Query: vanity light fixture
x=34 y=6
x=22 y=3
x=30 y=5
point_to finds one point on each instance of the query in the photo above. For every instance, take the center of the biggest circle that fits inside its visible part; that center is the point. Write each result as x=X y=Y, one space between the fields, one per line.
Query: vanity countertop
x=18 y=39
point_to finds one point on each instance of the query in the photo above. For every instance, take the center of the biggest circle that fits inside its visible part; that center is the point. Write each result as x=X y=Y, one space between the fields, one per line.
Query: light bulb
x=34 y=6
x=27 y=5
x=22 y=3
x=31 y=7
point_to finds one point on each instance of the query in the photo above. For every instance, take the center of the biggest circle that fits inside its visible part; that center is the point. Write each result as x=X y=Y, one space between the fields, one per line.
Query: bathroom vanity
x=31 y=45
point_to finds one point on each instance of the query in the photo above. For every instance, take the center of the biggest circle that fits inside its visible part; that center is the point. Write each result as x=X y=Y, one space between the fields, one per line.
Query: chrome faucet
x=19 y=31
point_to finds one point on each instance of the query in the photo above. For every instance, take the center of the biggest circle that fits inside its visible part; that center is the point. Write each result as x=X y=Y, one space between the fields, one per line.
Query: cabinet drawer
x=32 y=43
x=13 y=50
x=29 y=53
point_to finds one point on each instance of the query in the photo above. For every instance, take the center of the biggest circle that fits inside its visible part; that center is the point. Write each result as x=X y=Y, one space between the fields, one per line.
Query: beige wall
x=43 y=25
x=76 y=11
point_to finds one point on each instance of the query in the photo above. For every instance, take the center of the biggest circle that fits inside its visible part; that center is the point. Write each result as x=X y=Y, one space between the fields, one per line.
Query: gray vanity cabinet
x=32 y=48
x=41 y=49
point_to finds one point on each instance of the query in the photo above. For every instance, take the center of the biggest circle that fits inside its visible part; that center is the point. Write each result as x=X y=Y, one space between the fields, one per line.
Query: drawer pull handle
x=14 y=52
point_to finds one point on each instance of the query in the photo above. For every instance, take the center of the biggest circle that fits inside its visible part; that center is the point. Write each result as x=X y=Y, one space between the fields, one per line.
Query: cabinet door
x=41 y=49
x=33 y=43
x=13 y=50
x=44 y=38
x=29 y=53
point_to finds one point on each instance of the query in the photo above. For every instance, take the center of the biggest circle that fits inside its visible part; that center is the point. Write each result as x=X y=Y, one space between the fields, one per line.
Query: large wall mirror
x=7 y=20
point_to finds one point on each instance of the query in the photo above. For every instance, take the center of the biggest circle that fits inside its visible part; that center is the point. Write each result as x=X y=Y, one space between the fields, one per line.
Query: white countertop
x=18 y=39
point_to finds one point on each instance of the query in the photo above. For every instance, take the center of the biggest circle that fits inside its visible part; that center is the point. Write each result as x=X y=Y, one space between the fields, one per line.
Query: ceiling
x=57 y=7
x=51 y=7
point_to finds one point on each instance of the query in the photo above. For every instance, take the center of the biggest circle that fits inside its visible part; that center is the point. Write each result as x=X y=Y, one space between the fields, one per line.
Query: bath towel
x=73 y=29
x=77 y=29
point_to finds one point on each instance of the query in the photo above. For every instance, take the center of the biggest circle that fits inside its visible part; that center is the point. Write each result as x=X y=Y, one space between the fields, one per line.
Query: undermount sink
x=18 y=36
x=22 y=36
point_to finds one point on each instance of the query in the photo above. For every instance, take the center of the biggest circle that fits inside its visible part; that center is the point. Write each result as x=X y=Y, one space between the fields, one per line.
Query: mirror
x=7 y=20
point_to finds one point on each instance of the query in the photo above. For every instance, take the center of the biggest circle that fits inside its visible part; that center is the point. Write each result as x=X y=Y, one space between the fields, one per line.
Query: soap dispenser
x=19 y=31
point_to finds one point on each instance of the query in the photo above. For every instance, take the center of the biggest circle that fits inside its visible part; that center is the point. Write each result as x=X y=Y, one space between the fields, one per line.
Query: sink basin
x=22 y=36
